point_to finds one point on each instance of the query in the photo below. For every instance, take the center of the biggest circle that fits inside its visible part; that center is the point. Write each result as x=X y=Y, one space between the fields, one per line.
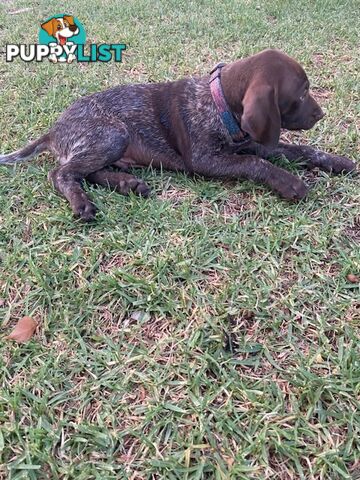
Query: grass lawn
x=209 y=332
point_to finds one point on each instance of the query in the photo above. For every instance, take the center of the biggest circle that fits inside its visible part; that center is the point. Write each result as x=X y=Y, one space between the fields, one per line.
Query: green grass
x=208 y=332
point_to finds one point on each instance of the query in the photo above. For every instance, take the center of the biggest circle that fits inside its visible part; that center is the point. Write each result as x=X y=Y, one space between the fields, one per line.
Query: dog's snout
x=73 y=28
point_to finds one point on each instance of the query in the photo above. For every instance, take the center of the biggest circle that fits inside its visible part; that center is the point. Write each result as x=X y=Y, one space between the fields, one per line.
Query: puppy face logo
x=63 y=34
x=61 y=28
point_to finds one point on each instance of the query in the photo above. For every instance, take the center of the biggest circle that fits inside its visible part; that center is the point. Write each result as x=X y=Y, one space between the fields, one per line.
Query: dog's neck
x=229 y=118
x=235 y=81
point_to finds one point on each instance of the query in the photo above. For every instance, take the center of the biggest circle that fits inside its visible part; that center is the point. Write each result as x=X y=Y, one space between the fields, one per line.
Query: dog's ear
x=261 y=115
x=70 y=19
x=50 y=27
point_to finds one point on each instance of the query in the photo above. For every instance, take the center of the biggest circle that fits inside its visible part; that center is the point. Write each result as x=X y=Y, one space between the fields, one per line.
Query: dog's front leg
x=312 y=157
x=251 y=167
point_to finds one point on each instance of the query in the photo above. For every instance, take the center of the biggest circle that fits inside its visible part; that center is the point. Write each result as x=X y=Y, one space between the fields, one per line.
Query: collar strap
x=228 y=119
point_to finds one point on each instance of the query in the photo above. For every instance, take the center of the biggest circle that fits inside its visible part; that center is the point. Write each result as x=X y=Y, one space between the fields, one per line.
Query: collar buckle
x=216 y=69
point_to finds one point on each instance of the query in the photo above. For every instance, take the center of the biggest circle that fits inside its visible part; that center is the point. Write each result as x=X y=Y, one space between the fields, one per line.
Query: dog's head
x=61 y=28
x=274 y=94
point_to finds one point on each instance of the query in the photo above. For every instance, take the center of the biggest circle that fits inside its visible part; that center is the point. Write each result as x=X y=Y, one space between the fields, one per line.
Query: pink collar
x=237 y=134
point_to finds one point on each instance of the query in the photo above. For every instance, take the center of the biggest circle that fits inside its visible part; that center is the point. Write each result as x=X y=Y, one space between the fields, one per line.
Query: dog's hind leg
x=98 y=145
x=121 y=182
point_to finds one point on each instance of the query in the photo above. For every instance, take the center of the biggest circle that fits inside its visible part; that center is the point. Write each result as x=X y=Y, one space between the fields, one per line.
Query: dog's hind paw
x=83 y=208
x=133 y=184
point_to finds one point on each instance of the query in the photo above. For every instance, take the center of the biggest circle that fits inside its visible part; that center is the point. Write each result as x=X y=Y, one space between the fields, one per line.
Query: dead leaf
x=318 y=358
x=23 y=330
x=142 y=393
x=229 y=460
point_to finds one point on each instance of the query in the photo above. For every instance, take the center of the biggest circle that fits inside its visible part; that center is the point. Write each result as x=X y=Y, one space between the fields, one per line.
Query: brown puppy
x=223 y=125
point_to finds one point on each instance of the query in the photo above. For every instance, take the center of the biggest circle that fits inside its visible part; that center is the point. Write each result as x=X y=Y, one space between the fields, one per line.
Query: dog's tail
x=32 y=149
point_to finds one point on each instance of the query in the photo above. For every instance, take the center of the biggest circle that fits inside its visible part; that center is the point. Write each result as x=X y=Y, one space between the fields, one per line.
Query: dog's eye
x=302 y=98
x=59 y=27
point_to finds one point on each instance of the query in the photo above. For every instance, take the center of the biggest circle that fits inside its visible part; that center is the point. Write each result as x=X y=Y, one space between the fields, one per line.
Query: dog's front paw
x=339 y=164
x=332 y=163
x=290 y=187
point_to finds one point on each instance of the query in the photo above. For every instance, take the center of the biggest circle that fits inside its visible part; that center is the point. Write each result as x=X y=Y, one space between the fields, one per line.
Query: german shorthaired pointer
x=224 y=125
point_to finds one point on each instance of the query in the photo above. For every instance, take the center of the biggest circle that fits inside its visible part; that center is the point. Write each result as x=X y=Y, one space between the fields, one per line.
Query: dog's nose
x=73 y=28
x=318 y=115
